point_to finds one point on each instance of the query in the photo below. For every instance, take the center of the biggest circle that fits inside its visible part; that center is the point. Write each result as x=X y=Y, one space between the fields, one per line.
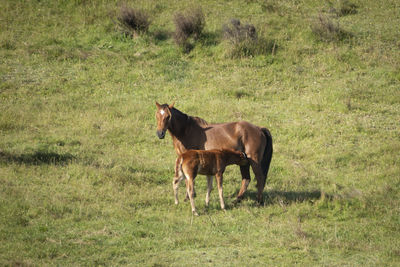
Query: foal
x=206 y=162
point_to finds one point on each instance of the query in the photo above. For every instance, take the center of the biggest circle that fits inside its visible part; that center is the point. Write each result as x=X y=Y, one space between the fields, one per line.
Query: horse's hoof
x=195 y=213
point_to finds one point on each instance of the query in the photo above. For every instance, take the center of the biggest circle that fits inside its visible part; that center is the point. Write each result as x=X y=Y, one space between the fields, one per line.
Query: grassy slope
x=84 y=180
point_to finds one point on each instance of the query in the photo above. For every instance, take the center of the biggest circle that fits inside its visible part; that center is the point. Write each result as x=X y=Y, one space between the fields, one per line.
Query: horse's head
x=163 y=116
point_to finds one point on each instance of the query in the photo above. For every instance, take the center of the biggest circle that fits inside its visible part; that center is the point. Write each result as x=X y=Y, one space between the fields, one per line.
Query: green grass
x=85 y=181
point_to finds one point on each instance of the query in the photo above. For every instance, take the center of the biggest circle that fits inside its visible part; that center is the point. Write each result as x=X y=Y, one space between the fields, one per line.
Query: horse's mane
x=198 y=120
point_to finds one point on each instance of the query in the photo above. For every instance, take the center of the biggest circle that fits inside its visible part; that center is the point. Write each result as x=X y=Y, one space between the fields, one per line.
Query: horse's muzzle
x=161 y=134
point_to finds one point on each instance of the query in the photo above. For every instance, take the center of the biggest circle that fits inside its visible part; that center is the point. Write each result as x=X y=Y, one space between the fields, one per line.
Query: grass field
x=84 y=180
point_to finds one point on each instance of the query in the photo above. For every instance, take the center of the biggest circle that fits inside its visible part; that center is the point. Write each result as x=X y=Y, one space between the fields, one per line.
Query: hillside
x=84 y=180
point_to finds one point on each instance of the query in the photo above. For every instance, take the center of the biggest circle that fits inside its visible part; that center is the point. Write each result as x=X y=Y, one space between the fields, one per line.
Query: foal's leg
x=178 y=177
x=194 y=193
x=175 y=185
x=209 y=188
x=177 y=174
x=221 y=194
x=245 y=171
x=190 y=192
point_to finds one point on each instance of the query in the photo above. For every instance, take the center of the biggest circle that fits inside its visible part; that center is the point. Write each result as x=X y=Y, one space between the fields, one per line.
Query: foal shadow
x=36 y=158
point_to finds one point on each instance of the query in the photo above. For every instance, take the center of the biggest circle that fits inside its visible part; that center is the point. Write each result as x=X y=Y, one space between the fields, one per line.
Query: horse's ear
x=158 y=105
x=172 y=105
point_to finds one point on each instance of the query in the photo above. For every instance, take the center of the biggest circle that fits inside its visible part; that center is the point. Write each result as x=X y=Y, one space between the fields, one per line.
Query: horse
x=190 y=132
x=205 y=162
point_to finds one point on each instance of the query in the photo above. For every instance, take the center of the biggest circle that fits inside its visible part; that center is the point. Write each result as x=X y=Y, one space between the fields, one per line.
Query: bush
x=189 y=25
x=346 y=8
x=133 y=21
x=327 y=30
x=244 y=40
x=236 y=32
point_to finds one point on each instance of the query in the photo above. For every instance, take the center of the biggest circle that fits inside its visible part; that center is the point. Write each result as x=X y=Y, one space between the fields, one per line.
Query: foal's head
x=237 y=157
x=163 y=116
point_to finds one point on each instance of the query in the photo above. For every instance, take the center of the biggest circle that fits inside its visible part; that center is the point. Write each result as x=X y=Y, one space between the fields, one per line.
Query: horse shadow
x=284 y=197
x=36 y=158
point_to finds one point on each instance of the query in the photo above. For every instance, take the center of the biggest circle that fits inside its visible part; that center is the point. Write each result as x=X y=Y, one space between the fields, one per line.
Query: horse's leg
x=209 y=188
x=190 y=192
x=245 y=171
x=256 y=167
x=220 y=192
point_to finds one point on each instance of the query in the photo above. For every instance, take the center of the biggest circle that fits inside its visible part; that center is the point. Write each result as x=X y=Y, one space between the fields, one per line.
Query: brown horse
x=195 y=133
x=205 y=162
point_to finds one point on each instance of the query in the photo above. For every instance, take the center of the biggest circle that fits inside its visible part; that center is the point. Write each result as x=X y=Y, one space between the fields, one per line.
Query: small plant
x=188 y=25
x=244 y=40
x=133 y=21
x=328 y=30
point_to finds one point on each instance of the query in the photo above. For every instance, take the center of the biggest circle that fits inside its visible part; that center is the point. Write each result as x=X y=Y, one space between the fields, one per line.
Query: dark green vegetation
x=85 y=181
x=188 y=24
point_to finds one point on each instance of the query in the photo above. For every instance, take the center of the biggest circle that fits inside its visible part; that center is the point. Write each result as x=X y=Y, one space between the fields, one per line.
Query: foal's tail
x=178 y=167
x=266 y=161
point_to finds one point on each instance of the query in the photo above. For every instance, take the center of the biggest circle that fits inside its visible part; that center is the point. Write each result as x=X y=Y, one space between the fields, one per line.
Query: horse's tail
x=266 y=161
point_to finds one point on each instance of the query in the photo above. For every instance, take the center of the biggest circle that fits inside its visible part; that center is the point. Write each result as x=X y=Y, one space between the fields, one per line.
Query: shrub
x=343 y=8
x=346 y=8
x=236 y=32
x=327 y=30
x=244 y=40
x=133 y=21
x=188 y=25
